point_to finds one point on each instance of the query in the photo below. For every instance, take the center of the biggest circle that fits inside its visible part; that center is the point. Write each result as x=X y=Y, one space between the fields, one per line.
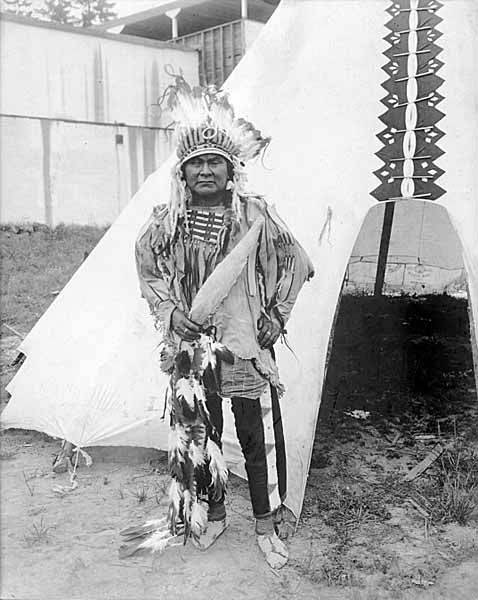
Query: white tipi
x=313 y=81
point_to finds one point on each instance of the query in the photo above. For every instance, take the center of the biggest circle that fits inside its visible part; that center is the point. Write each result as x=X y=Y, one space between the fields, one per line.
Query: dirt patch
x=66 y=546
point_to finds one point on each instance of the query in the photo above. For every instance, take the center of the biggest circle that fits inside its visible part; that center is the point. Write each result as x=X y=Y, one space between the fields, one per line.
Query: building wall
x=79 y=131
x=64 y=172
x=59 y=72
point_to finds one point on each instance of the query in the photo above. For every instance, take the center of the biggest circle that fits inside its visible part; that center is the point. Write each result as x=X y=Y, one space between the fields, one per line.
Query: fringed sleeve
x=288 y=267
x=154 y=288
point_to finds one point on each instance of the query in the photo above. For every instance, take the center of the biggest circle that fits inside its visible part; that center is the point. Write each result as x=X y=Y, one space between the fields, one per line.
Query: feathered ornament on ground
x=196 y=463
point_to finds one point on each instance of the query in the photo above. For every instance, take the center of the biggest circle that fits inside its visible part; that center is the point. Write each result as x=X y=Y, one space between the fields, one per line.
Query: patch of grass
x=344 y=506
x=457 y=484
x=38 y=533
x=36 y=264
x=336 y=571
x=346 y=511
x=141 y=494
x=28 y=482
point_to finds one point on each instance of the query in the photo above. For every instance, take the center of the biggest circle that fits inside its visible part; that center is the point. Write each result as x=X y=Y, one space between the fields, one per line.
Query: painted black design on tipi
x=411 y=133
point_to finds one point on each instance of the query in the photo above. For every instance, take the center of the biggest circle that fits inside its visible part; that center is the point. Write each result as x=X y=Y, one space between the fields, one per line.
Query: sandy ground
x=61 y=547
x=77 y=556
x=358 y=537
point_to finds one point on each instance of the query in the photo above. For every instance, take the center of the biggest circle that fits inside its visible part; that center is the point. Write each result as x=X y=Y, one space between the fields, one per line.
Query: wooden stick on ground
x=423 y=465
x=20 y=335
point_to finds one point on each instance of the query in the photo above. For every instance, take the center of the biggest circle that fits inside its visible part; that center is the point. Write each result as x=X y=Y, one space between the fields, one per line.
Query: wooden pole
x=174 y=23
x=244 y=9
x=173 y=15
x=384 y=246
x=474 y=344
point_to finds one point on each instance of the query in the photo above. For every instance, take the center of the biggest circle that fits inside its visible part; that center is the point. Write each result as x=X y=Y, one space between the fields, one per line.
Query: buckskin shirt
x=172 y=269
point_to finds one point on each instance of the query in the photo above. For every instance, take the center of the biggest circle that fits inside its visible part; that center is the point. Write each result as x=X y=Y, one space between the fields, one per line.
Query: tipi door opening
x=400 y=384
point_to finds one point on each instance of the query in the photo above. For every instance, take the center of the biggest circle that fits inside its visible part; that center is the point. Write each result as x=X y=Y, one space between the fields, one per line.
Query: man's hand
x=269 y=331
x=186 y=329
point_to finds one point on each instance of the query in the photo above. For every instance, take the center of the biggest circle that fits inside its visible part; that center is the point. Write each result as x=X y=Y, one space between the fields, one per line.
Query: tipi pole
x=384 y=246
x=474 y=344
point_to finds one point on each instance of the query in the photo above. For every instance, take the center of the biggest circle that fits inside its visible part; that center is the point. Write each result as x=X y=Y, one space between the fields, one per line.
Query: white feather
x=198 y=518
x=175 y=494
x=177 y=443
x=208 y=356
x=185 y=389
x=218 y=346
x=217 y=464
x=187 y=506
x=157 y=541
x=196 y=452
x=198 y=391
x=155 y=523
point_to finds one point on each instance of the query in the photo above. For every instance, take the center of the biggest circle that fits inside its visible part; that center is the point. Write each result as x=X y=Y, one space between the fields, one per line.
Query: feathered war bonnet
x=205 y=123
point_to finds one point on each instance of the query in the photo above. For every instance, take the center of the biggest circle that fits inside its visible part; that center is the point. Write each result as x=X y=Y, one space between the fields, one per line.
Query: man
x=221 y=273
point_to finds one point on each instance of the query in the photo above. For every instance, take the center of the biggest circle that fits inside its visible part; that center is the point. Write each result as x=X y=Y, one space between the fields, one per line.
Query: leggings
x=261 y=438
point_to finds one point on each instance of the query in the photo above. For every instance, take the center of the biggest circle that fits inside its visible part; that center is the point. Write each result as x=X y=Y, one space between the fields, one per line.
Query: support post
x=173 y=15
x=474 y=344
x=47 y=180
x=384 y=246
x=244 y=8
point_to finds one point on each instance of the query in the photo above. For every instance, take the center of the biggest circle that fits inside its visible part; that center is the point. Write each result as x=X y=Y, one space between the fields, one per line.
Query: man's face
x=206 y=175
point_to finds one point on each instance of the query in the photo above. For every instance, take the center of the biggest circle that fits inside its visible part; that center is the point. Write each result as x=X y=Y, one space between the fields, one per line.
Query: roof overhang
x=195 y=15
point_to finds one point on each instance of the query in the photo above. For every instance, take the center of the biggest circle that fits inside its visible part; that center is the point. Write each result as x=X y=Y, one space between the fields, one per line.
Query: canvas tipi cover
x=354 y=94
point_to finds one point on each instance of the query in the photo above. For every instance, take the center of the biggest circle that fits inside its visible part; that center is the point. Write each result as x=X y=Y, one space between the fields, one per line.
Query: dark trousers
x=264 y=484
